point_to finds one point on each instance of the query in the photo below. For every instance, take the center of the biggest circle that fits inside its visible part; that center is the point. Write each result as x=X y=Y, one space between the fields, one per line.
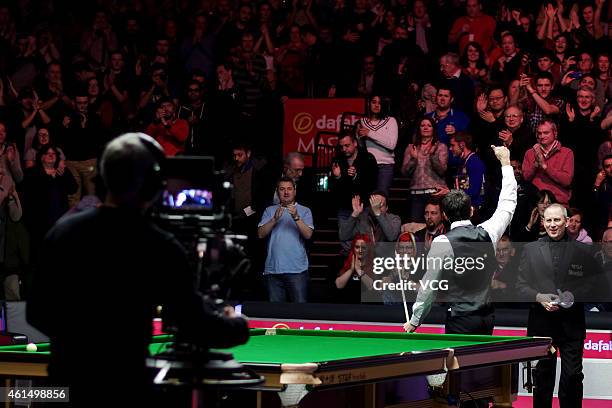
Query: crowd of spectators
x=442 y=79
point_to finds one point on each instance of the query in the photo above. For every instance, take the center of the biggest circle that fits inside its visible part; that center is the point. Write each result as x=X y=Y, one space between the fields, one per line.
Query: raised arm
x=499 y=221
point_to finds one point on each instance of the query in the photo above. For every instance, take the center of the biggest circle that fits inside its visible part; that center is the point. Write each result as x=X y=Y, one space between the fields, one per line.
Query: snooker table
x=298 y=362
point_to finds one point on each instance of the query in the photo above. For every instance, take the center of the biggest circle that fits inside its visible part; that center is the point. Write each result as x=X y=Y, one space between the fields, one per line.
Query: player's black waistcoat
x=472 y=269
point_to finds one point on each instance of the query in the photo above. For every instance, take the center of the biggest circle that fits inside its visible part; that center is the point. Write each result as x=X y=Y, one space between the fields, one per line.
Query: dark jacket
x=363 y=184
x=113 y=265
x=261 y=188
x=577 y=272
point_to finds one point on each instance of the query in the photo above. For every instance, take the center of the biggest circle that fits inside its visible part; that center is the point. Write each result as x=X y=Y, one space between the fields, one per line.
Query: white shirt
x=442 y=249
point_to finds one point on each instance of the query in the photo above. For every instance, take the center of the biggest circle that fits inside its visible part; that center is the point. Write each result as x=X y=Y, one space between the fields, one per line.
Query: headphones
x=155 y=182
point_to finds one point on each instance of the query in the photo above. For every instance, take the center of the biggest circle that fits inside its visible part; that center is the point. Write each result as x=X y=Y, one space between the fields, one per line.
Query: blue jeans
x=385 y=178
x=287 y=285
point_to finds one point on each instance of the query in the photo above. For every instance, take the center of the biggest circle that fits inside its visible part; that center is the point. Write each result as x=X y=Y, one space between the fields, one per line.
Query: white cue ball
x=31 y=347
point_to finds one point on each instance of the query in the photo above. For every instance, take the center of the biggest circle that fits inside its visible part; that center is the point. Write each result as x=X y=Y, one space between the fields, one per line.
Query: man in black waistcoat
x=468 y=288
x=550 y=268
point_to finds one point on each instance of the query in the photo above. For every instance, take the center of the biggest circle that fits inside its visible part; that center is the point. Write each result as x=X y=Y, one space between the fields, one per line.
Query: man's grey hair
x=559 y=206
x=127 y=162
x=587 y=90
x=451 y=58
x=293 y=155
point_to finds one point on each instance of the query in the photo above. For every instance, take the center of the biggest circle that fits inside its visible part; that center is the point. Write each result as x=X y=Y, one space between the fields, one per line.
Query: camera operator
x=110 y=265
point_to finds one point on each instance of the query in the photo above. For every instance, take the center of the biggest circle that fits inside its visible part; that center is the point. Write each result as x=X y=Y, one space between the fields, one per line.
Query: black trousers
x=471 y=324
x=570 y=382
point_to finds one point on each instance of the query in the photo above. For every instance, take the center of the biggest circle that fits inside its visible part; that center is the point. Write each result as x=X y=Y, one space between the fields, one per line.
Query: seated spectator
x=574 y=227
x=379 y=132
x=425 y=163
x=435 y=224
x=406 y=249
x=548 y=165
x=427 y=102
x=169 y=131
x=470 y=176
x=356 y=272
x=535 y=227
x=354 y=172
x=43 y=138
x=375 y=220
x=602 y=194
x=505 y=275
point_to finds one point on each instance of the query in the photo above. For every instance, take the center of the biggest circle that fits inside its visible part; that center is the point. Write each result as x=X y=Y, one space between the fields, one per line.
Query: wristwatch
x=296 y=219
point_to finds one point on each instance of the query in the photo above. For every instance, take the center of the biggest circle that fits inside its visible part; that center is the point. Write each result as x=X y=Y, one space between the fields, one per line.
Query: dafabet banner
x=304 y=118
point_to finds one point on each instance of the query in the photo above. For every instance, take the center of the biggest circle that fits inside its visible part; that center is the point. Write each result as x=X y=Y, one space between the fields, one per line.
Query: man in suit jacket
x=549 y=266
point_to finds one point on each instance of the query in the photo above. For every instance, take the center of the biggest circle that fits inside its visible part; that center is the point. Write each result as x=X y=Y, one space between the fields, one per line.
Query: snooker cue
x=403 y=295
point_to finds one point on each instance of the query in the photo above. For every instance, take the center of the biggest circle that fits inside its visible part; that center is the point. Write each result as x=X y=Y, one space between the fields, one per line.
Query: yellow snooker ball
x=31 y=347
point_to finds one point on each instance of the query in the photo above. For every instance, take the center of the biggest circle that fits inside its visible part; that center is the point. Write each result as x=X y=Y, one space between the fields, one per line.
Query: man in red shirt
x=548 y=165
x=475 y=26
x=170 y=132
